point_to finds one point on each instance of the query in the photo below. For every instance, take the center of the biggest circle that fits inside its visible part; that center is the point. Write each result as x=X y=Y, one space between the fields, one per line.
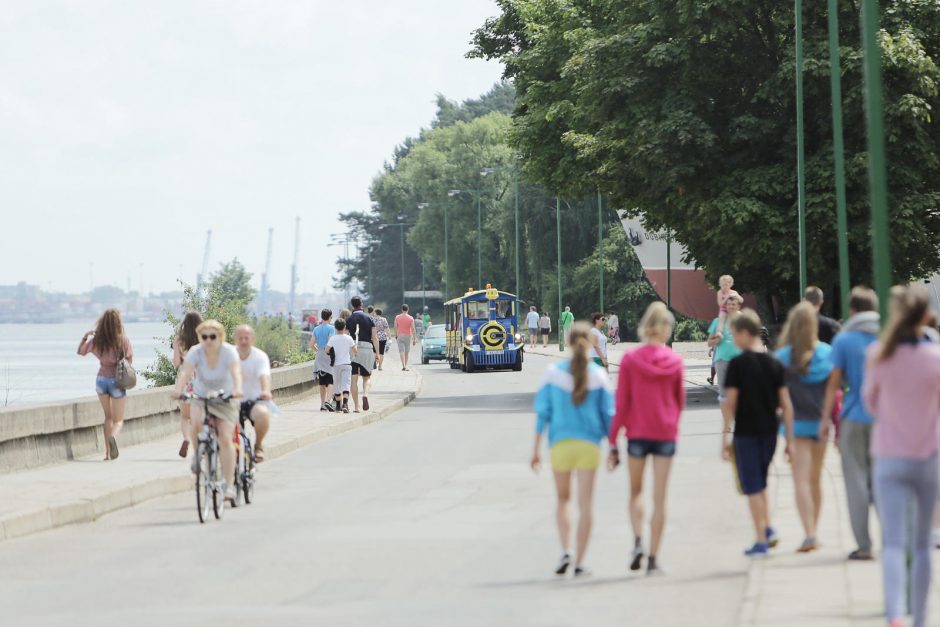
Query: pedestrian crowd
x=874 y=389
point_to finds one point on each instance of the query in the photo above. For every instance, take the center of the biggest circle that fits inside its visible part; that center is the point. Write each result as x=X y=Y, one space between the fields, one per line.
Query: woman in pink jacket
x=901 y=391
x=650 y=398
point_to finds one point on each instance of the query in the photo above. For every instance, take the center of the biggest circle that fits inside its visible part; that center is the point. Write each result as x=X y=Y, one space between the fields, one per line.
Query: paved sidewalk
x=819 y=589
x=87 y=488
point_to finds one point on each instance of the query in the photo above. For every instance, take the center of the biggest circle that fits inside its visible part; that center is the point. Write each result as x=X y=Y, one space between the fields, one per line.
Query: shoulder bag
x=124 y=374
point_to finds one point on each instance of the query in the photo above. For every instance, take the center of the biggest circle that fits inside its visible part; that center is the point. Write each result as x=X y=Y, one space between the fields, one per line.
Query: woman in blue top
x=809 y=366
x=723 y=343
x=575 y=404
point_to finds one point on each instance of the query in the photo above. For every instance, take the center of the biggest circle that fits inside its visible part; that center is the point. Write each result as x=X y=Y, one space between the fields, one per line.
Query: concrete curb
x=89 y=510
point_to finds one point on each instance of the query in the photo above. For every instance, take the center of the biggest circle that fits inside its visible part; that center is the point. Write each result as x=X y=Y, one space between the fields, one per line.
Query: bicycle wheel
x=203 y=483
x=239 y=473
x=248 y=482
x=218 y=496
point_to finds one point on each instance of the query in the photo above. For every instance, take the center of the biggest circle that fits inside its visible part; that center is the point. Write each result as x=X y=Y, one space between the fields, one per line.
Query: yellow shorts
x=568 y=455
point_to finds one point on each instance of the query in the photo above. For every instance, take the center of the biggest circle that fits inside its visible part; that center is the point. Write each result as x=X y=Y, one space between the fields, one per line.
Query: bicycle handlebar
x=217 y=399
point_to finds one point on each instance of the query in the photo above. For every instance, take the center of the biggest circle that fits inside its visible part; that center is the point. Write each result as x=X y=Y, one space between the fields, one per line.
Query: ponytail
x=580 y=342
x=909 y=308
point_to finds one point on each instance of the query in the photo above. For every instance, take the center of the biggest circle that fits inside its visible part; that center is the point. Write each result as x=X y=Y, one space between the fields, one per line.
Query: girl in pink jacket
x=650 y=398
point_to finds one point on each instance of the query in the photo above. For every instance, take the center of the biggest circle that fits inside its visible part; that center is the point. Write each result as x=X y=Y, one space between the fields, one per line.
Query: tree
x=684 y=111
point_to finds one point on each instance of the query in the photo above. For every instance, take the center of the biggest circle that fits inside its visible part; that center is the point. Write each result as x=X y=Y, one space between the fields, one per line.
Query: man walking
x=827 y=326
x=567 y=319
x=405 y=335
x=532 y=321
x=362 y=329
x=848 y=359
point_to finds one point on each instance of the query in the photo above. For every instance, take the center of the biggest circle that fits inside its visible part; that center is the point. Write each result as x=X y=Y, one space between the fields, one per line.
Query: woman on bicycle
x=185 y=339
x=217 y=370
x=109 y=344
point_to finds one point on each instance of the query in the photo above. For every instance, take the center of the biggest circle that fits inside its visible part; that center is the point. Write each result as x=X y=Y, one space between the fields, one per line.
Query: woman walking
x=185 y=339
x=545 y=327
x=901 y=390
x=109 y=344
x=381 y=332
x=650 y=399
x=214 y=367
x=613 y=328
x=575 y=404
x=598 y=339
x=808 y=364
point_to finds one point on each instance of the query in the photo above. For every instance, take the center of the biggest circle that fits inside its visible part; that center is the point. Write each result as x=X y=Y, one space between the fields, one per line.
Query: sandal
x=259 y=454
x=184 y=449
x=113 y=448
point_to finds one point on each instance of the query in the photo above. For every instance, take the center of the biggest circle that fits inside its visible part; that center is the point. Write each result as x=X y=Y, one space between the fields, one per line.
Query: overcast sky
x=129 y=128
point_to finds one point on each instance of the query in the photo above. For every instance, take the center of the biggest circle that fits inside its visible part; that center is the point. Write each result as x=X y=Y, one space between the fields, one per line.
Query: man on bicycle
x=256 y=385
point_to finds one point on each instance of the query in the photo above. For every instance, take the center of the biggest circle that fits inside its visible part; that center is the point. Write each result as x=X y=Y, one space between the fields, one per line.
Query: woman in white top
x=218 y=371
x=598 y=339
x=186 y=338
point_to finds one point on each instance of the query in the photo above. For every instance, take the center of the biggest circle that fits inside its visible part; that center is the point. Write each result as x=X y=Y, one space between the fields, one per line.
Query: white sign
x=423 y=294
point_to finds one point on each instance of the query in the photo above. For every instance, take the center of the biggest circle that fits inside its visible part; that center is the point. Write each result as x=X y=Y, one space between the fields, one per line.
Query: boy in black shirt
x=756 y=389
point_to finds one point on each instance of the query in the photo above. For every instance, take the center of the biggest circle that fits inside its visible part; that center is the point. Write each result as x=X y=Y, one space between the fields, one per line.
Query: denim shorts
x=108 y=385
x=641 y=448
x=752 y=457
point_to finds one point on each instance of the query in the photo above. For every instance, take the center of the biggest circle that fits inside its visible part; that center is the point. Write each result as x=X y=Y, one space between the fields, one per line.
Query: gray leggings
x=897 y=481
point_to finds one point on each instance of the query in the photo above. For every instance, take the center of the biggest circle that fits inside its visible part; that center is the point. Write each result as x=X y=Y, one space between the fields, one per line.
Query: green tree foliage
x=226 y=299
x=468 y=149
x=685 y=109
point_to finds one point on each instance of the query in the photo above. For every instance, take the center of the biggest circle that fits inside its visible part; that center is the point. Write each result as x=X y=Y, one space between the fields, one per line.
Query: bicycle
x=210 y=486
x=244 y=457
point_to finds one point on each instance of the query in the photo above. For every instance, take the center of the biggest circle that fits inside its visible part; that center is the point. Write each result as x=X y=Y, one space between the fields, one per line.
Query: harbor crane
x=265 y=280
x=204 y=275
x=293 y=268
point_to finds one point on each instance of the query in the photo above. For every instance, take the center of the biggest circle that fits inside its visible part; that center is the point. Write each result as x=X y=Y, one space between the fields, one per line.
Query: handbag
x=124 y=374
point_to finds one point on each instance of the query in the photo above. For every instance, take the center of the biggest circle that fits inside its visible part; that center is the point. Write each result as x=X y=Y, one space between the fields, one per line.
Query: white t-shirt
x=212 y=379
x=342 y=344
x=255 y=366
x=601 y=342
x=532 y=319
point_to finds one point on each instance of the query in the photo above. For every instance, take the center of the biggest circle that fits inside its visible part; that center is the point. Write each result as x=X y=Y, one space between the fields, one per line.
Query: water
x=38 y=362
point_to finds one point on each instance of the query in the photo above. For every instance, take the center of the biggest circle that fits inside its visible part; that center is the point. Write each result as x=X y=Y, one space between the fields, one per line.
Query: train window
x=478 y=310
x=503 y=308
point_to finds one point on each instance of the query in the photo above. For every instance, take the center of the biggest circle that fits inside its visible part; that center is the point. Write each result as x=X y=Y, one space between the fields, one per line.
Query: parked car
x=433 y=344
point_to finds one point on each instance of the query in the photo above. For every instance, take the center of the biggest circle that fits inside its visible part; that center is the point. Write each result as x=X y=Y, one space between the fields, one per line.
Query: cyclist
x=256 y=385
x=217 y=370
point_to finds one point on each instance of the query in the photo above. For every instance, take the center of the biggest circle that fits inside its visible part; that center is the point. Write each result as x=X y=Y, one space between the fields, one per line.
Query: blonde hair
x=801 y=333
x=909 y=307
x=579 y=339
x=657 y=322
x=212 y=325
x=726 y=278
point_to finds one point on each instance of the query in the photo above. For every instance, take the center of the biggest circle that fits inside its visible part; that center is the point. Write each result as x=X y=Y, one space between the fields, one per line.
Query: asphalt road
x=430 y=517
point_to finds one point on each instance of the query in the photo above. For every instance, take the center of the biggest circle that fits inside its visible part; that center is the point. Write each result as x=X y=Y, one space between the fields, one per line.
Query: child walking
x=575 y=405
x=650 y=398
x=755 y=390
x=342 y=348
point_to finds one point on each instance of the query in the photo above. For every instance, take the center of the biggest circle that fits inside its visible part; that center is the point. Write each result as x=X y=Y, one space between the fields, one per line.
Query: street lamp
x=401 y=226
x=515 y=183
x=477 y=193
x=343 y=239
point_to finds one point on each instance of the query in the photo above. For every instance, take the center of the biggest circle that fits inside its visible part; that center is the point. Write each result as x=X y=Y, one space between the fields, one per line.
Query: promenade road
x=430 y=517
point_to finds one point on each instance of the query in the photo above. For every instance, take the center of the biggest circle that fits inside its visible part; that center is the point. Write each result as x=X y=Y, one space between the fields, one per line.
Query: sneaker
x=563 y=565
x=861 y=555
x=230 y=494
x=809 y=545
x=652 y=568
x=581 y=571
x=194 y=465
x=345 y=408
x=330 y=406
x=636 y=560
x=759 y=550
x=711 y=380
x=772 y=538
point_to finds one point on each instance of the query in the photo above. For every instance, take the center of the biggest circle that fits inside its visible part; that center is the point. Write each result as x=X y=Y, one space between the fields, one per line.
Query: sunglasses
x=211 y=336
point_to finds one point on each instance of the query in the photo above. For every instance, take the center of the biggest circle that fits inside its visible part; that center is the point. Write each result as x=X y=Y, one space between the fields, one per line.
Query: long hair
x=908 y=310
x=657 y=323
x=580 y=341
x=186 y=335
x=109 y=332
x=801 y=333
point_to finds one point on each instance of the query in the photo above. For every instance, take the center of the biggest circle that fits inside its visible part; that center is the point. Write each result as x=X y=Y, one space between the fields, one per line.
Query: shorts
x=568 y=455
x=342 y=377
x=108 y=386
x=364 y=360
x=325 y=378
x=226 y=411
x=752 y=457
x=637 y=447
x=404 y=344
x=382 y=344
x=805 y=429
x=533 y=330
x=721 y=373
x=245 y=408
x=545 y=332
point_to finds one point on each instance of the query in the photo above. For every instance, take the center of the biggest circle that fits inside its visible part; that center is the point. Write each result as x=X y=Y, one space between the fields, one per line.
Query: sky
x=129 y=129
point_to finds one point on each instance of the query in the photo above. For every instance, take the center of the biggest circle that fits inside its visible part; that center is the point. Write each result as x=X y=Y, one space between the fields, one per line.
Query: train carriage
x=482 y=328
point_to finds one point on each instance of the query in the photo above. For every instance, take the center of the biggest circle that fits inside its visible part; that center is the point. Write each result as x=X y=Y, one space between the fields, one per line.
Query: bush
x=689 y=330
